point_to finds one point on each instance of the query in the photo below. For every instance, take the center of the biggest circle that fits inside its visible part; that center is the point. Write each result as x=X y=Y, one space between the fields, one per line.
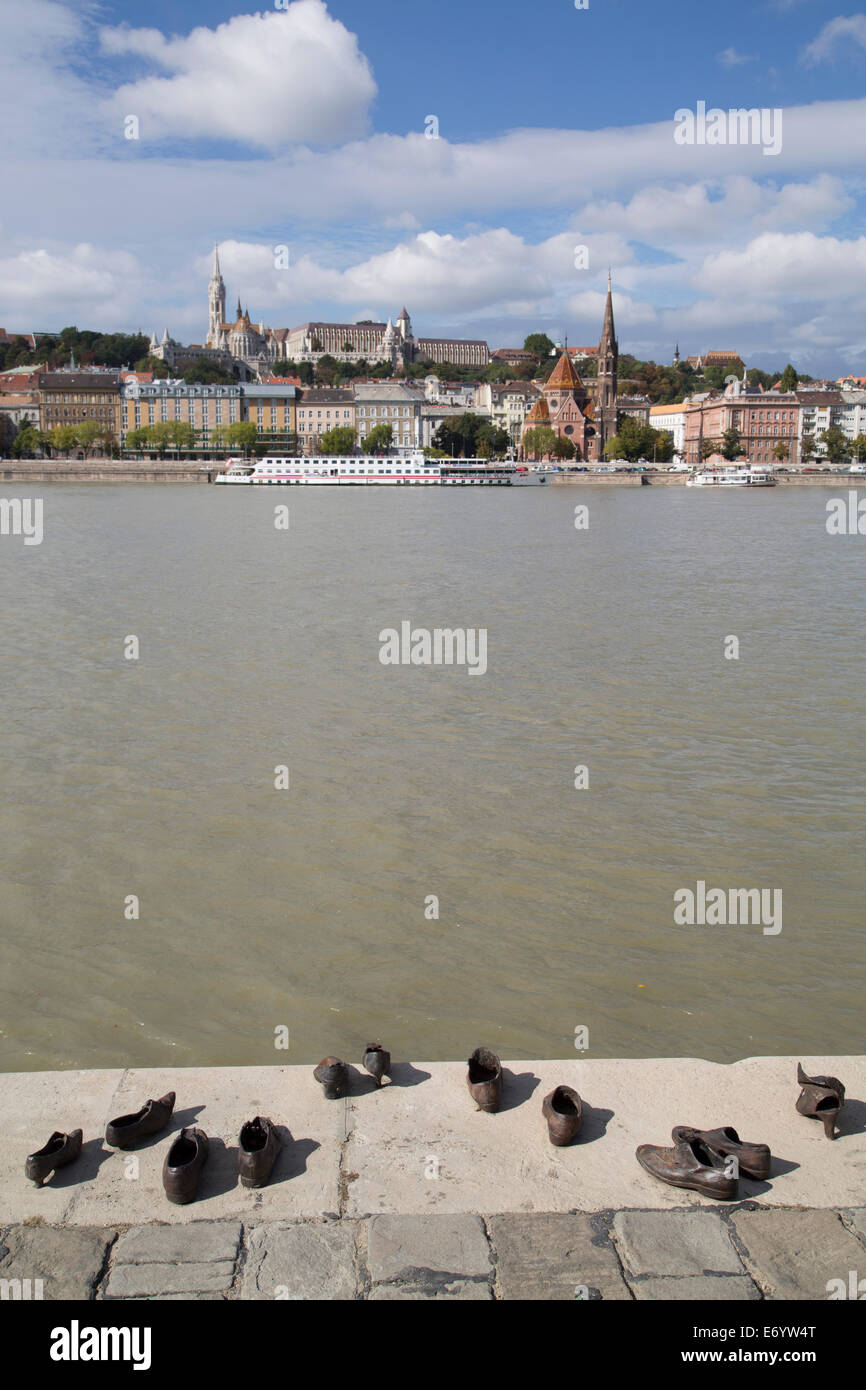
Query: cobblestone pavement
x=744 y=1252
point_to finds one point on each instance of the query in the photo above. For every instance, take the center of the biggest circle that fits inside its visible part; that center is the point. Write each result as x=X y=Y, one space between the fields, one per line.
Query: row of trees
x=832 y=445
x=63 y=439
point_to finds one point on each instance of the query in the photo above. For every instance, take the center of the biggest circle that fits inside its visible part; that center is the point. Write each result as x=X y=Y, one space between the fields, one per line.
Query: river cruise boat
x=732 y=477
x=411 y=470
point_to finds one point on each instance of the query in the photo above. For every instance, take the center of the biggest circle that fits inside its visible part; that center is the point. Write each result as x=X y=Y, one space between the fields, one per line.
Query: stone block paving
x=744 y=1253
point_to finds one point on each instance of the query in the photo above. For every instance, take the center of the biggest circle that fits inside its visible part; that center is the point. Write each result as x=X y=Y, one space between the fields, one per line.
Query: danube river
x=311 y=909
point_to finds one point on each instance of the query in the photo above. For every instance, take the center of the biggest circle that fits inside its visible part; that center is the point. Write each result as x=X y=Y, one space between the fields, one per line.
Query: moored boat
x=410 y=470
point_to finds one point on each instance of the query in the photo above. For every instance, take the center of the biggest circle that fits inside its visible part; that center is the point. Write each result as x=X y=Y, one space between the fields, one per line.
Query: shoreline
x=117 y=471
x=367 y=1153
x=409 y=1194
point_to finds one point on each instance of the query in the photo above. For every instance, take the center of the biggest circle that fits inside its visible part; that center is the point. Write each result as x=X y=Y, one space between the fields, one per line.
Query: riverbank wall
x=418 y=1144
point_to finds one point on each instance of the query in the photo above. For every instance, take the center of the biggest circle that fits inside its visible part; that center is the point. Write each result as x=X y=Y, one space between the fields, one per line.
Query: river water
x=309 y=909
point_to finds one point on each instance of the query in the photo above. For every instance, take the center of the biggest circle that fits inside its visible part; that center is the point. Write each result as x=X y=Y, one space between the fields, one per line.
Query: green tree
x=808 y=447
x=242 y=434
x=538 y=442
x=87 y=432
x=859 y=448
x=837 y=446
x=26 y=442
x=539 y=345
x=137 y=438
x=379 y=439
x=159 y=437
x=788 y=380
x=781 y=450
x=327 y=370
x=564 y=449
x=731 y=446
x=207 y=374
x=710 y=447
x=340 y=440
x=635 y=439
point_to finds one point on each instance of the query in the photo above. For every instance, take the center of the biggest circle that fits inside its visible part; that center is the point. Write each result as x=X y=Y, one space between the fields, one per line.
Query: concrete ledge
x=418 y=1146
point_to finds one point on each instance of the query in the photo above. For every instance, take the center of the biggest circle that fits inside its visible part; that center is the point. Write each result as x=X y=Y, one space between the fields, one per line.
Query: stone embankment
x=408 y=1192
x=97 y=470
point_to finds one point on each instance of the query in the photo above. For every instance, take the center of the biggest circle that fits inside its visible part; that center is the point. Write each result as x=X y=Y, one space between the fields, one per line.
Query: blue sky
x=305 y=127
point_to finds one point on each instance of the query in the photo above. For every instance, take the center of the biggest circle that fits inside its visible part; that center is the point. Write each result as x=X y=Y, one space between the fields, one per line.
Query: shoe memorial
x=753 y=1160
x=484 y=1079
x=61 y=1149
x=563 y=1111
x=333 y=1077
x=821 y=1098
x=690 y=1163
x=184 y=1161
x=377 y=1062
x=152 y=1118
x=258 y=1147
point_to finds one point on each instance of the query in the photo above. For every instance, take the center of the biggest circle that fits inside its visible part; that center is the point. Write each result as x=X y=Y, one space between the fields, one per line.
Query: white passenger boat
x=410 y=470
x=732 y=477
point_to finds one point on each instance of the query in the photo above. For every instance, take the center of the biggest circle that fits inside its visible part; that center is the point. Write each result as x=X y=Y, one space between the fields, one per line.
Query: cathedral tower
x=608 y=360
x=216 y=297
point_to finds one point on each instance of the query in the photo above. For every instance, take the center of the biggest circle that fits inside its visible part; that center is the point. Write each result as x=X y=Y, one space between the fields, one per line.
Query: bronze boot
x=689 y=1164
x=821 y=1098
x=563 y=1112
x=258 y=1147
x=128 y=1130
x=184 y=1161
x=753 y=1160
x=333 y=1077
x=60 y=1150
x=484 y=1079
x=377 y=1062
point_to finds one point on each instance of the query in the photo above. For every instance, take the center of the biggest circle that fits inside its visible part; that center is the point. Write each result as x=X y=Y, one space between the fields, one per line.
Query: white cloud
x=797 y=264
x=102 y=284
x=836 y=34
x=731 y=58
x=268 y=80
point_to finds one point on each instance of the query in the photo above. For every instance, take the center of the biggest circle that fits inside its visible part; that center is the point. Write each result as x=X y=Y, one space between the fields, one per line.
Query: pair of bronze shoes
x=258 y=1147
x=708 y=1161
x=821 y=1098
x=332 y=1074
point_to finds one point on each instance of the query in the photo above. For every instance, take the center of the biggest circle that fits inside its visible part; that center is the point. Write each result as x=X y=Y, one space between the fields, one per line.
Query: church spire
x=216 y=274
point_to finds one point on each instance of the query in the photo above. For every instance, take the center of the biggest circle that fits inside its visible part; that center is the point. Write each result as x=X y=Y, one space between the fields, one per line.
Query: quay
x=98 y=470
x=409 y=1193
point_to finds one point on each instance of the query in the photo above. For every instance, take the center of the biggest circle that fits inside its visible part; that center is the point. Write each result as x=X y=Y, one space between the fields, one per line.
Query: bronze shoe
x=821 y=1098
x=184 y=1161
x=484 y=1079
x=563 y=1111
x=60 y=1150
x=377 y=1062
x=258 y=1147
x=753 y=1160
x=689 y=1164
x=333 y=1077
x=128 y=1130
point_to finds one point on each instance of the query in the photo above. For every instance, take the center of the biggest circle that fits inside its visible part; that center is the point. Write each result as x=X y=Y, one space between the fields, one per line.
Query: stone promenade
x=409 y=1192
x=743 y=1253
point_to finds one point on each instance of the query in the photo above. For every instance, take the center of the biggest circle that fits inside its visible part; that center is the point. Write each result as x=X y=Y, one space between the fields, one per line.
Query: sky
x=309 y=126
